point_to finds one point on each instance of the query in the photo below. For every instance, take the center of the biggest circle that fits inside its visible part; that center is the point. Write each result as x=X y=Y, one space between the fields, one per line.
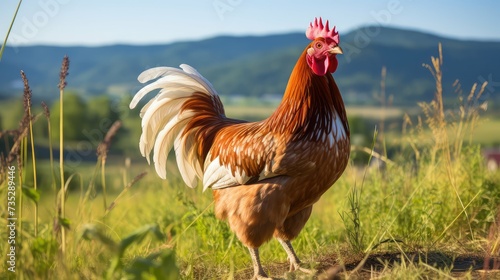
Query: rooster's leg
x=258 y=271
x=292 y=257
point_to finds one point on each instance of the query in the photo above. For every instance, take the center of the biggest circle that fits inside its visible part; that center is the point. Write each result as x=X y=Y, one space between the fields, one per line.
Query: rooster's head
x=322 y=52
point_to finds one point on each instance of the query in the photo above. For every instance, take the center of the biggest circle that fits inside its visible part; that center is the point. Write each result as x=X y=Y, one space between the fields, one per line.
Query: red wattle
x=318 y=66
x=333 y=64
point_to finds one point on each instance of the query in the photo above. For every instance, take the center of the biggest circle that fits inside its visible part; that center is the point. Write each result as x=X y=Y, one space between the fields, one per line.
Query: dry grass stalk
x=103 y=148
x=383 y=101
x=102 y=153
x=434 y=111
x=64 y=73
x=468 y=114
x=125 y=189
x=62 y=85
x=439 y=125
x=46 y=110
x=28 y=118
x=25 y=121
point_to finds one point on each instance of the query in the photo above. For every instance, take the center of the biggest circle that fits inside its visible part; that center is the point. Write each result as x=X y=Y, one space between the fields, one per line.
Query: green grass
x=415 y=210
x=365 y=112
x=484 y=134
x=429 y=208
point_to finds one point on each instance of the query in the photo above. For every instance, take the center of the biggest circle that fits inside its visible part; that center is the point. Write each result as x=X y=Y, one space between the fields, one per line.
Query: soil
x=476 y=266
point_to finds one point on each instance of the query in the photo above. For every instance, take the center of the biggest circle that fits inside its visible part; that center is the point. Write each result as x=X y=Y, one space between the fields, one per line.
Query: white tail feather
x=154 y=73
x=165 y=141
x=145 y=108
x=186 y=168
x=163 y=123
x=198 y=77
x=154 y=120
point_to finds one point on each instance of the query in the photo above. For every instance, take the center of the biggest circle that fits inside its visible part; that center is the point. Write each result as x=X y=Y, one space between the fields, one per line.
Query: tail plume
x=184 y=105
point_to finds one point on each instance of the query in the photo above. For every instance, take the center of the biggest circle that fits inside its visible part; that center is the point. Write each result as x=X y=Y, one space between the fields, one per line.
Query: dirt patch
x=456 y=266
x=356 y=267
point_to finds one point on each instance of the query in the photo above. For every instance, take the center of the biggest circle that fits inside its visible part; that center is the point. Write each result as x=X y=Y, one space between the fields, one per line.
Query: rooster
x=265 y=176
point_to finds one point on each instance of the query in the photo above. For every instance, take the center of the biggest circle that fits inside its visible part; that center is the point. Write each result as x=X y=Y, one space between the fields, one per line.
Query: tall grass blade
x=102 y=153
x=125 y=189
x=51 y=150
x=10 y=28
x=62 y=85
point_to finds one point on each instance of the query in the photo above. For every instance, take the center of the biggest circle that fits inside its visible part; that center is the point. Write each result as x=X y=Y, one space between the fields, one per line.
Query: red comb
x=319 y=30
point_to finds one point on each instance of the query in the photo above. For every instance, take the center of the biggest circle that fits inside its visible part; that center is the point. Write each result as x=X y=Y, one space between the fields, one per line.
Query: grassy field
x=392 y=215
x=485 y=132
x=430 y=210
x=264 y=111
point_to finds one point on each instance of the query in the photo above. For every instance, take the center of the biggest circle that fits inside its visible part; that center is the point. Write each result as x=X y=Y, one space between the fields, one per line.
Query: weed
x=10 y=28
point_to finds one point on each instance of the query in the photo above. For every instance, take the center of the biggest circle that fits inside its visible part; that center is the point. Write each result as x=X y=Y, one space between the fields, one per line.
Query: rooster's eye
x=319 y=45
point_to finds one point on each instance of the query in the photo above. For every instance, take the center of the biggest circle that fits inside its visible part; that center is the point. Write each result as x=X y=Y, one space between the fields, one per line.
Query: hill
x=259 y=66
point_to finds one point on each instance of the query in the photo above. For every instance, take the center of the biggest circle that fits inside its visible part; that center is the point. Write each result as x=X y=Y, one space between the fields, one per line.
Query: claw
x=293 y=259
x=294 y=266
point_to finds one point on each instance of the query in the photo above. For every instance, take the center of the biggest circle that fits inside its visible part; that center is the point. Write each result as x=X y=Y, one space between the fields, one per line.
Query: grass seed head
x=64 y=73
x=27 y=92
x=26 y=103
x=103 y=148
x=46 y=110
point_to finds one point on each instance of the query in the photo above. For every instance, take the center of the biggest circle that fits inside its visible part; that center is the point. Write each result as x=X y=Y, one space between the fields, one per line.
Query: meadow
x=415 y=203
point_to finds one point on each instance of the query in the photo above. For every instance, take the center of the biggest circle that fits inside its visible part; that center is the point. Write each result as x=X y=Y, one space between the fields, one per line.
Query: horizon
x=154 y=22
x=139 y=44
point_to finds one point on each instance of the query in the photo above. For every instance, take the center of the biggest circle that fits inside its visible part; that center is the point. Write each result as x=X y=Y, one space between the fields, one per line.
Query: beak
x=336 y=50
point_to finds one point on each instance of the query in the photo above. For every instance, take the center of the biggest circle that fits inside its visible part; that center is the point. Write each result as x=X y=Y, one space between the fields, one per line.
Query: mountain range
x=259 y=66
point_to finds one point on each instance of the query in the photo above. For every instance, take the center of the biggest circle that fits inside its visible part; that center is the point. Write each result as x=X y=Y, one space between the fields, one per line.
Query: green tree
x=101 y=108
x=130 y=132
x=12 y=112
x=75 y=117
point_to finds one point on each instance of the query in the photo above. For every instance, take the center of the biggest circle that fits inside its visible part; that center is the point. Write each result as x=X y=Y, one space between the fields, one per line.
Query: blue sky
x=93 y=22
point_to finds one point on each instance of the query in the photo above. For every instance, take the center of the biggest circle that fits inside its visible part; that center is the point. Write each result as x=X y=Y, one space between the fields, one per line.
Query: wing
x=242 y=154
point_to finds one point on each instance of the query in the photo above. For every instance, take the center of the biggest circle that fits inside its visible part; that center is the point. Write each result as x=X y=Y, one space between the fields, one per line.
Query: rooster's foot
x=294 y=266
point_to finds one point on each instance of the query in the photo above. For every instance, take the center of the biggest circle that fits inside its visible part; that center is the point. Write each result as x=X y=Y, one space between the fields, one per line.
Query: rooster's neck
x=311 y=103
